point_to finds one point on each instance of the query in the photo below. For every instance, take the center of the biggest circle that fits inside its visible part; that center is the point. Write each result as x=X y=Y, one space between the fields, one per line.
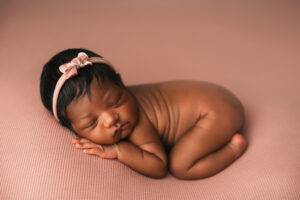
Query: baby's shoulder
x=183 y=89
x=174 y=85
x=173 y=91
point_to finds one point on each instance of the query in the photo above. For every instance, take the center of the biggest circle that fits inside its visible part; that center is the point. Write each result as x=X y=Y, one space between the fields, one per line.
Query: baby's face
x=110 y=116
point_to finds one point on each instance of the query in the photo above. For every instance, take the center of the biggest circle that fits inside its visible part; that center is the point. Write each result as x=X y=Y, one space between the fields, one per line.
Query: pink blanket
x=250 y=48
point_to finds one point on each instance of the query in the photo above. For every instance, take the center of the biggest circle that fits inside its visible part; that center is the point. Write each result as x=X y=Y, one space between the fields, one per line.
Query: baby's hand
x=89 y=147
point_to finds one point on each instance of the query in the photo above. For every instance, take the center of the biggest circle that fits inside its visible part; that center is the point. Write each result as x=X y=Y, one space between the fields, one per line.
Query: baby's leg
x=205 y=150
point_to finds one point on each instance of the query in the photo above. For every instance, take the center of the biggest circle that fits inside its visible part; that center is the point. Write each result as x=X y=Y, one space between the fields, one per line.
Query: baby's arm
x=142 y=151
x=148 y=159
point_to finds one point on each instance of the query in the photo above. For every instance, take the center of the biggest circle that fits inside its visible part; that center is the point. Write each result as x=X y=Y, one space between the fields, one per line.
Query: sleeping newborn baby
x=190 y=128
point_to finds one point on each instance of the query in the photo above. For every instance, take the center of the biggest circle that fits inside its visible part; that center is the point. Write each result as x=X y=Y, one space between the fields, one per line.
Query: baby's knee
x=177 y=169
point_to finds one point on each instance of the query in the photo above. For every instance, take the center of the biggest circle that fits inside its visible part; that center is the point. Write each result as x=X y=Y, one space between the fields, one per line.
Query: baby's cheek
x=134 y=111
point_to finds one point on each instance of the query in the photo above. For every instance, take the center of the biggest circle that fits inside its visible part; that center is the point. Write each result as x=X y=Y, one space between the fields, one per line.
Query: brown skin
x=187 y=127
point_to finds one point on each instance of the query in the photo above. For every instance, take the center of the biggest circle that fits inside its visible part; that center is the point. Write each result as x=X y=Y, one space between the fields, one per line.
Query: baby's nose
x=110 y=118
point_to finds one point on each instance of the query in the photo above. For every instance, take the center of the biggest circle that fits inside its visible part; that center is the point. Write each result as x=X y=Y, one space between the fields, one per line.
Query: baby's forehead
x=104 y=88
x=98 y=91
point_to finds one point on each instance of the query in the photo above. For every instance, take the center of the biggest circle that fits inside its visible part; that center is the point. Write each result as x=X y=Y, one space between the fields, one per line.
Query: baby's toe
x=238 y=144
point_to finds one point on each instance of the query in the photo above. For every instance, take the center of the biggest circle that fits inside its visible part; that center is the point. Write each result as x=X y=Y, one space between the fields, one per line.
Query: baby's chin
x=124 y=135
x=128 y=131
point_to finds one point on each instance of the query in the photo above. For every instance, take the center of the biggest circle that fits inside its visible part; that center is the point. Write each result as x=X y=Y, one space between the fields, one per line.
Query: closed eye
x=92 y=124
x=116 y=104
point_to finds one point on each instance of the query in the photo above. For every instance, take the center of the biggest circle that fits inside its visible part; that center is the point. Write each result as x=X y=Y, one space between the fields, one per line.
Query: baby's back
x=173 y=107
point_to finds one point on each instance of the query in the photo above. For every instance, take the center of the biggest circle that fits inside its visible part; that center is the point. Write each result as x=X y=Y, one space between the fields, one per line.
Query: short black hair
x=74 y=87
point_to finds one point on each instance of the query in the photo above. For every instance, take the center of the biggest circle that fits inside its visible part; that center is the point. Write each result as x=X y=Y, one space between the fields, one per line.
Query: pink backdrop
x=252 y=48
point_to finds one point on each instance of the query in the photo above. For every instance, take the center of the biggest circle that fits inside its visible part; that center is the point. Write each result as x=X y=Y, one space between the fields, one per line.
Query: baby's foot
x=238 y=144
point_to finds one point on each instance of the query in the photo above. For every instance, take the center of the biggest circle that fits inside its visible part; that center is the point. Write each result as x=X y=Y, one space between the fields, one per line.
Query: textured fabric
x=250 y=48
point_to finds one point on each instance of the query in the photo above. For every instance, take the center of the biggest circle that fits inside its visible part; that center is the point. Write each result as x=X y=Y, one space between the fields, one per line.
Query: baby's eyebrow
x=107 y=95
x=85 y=116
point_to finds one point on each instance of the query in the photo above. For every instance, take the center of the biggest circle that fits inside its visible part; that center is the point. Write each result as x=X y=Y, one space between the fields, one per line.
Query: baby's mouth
x=117 y=131
x=120 y=128
x=125 y=125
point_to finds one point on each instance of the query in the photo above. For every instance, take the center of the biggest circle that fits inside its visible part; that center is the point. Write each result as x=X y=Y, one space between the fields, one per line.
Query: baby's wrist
x=115 y=146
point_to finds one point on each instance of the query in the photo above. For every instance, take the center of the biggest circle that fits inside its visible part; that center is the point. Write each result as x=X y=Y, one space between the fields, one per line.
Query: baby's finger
x=87 y=145
x=93 y=151
x=76 y=140
x=83 y=140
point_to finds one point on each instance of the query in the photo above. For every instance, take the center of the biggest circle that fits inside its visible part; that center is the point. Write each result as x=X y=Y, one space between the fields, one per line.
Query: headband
x=69 y=70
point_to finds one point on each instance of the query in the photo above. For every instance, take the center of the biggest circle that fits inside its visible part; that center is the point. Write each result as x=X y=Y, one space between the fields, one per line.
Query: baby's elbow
x=160 y=172
x=156 y=167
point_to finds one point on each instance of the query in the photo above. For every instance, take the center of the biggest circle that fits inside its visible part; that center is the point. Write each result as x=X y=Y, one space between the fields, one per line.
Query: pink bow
x=70 y=68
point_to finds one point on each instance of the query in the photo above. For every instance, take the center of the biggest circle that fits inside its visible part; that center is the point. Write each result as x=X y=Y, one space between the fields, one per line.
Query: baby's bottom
x=206 y=149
